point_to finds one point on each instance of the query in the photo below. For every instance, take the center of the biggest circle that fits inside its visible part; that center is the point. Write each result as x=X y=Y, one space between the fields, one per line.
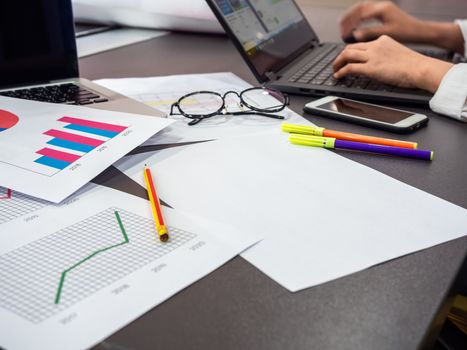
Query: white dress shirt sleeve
x=451 y=97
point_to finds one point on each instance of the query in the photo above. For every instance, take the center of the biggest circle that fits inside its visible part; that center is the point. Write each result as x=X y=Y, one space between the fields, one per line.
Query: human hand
x=399 y=25
x=395 y=22
x=388 y=61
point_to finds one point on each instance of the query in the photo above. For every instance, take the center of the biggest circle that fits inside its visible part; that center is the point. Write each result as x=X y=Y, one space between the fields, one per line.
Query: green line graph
x=49 y=275
x=63 y=275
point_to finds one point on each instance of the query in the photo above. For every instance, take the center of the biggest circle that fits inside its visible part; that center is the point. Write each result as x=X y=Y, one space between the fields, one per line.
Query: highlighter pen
x=329 y=142
x=317 y=131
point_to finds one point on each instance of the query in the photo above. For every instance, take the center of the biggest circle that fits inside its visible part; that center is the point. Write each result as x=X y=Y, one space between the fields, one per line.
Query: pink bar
x=91 y=124
x=74 y=138
x=52 y=153
x=8 y=195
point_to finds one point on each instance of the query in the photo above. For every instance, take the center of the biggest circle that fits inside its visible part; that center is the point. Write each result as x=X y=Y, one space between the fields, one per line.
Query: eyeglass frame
x=195 y=119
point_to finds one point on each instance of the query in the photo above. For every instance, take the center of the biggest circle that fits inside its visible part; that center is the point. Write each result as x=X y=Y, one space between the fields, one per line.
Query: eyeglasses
x=201 y=105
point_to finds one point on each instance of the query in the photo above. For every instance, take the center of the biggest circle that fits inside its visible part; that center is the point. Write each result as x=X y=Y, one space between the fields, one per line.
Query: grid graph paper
x=14 y=204
x=30 y=275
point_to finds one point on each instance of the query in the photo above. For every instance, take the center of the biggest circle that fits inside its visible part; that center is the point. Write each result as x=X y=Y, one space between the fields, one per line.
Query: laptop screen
x=37 y=42
x=269 y=32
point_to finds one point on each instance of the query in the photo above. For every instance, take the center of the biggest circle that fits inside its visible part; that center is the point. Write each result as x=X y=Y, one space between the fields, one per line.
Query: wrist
x=422 y=31
x=429 y=73
x=444 y=35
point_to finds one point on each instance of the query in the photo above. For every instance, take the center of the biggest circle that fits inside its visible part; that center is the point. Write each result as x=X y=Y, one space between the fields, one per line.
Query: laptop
x=38 y=59
x=283 y=52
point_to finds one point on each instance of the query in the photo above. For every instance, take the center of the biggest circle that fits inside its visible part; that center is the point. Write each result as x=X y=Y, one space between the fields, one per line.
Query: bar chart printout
x=7 y=120
x=54 y=150
x=70 y=144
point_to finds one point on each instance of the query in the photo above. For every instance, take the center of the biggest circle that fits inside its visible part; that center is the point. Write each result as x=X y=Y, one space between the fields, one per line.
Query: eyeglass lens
x=200 y=104
x=263 y=99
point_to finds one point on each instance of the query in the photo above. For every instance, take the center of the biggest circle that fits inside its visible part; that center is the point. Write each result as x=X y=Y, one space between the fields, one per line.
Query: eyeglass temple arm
x=172 y=107
x=274 y=116
x=195 y=121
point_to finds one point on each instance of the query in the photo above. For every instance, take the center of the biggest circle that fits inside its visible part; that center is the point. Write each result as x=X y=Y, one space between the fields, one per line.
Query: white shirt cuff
x=463 y=26
x=451 y=97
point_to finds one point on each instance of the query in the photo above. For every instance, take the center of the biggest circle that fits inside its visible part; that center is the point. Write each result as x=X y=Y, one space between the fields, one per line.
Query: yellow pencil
x=155 y=206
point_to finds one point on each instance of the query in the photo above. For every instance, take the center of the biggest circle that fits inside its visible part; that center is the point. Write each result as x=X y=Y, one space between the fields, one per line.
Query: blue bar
x=53 y=163
x=75 y=146
x=1 y=129
x=94 y=131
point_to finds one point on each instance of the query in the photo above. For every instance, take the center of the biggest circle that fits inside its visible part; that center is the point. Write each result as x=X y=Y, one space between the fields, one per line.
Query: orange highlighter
x=317 y=131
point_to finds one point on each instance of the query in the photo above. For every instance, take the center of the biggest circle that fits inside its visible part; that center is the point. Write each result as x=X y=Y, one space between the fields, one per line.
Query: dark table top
x=390 y=306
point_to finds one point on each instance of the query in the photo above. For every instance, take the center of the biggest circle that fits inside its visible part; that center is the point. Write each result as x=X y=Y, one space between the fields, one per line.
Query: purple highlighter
x=329 y=142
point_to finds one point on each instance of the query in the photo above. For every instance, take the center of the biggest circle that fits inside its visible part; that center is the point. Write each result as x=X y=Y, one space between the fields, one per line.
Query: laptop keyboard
x=319 y=71
x=69 y=93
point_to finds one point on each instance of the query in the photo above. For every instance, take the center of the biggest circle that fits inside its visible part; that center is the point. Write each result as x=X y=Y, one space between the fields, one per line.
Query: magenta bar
x=91 y=124
x=52 y=153
x=8 y=194
x=74 y=138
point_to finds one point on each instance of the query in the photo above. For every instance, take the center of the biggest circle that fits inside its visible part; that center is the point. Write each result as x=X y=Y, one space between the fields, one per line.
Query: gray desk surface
x=389 y=306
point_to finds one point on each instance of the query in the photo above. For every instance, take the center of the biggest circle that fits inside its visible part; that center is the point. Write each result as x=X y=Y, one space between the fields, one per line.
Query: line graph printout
x=14 y=204
x=81 y=271
x=53 y=150
x=66 y=248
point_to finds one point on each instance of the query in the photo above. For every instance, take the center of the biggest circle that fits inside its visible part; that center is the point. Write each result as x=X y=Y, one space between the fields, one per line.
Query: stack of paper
x=76 y=272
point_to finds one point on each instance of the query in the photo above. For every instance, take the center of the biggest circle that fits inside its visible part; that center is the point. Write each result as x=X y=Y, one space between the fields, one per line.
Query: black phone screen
x=364 y=110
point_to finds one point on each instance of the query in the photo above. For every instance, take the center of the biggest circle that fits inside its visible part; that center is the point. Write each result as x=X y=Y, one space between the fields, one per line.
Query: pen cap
x=302 y=129
x=314 y=141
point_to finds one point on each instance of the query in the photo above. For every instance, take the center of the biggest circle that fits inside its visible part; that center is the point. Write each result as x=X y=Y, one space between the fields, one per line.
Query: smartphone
x=390 y=119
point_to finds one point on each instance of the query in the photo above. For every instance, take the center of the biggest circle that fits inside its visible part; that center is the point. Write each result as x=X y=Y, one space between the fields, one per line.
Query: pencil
x=155 y=206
